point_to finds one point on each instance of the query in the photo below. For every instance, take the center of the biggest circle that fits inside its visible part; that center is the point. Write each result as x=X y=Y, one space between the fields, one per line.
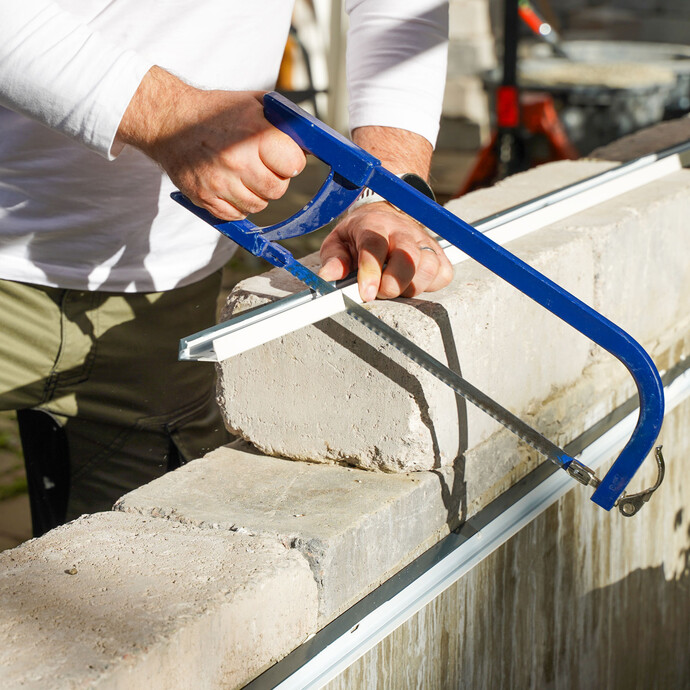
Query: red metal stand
x=538 y=117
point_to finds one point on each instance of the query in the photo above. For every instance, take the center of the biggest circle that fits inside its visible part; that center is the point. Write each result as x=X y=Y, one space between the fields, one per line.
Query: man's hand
x=377 y=234
x=219 y=150
x=216 y=146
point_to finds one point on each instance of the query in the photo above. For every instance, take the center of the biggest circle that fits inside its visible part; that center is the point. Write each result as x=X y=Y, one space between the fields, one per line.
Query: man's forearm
x=158 y=105
x=216 y=146
x=399 y=150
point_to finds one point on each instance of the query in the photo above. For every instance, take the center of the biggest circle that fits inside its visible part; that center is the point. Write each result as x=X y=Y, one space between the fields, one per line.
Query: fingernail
x=370 y=293
x=327 y=269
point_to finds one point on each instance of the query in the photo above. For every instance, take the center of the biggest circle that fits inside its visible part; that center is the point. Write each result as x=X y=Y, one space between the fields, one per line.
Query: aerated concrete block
x=332 y=393
x=471 y=56
x=465 y=97
x=641 y=247
x=468 y=19
x=354 y=528
x=122 y=601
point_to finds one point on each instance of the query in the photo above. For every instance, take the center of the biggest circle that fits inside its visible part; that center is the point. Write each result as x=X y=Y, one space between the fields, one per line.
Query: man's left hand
x=393 y=254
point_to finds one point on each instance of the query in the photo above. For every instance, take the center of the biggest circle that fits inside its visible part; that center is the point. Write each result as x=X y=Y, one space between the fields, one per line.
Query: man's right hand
x=216 y=146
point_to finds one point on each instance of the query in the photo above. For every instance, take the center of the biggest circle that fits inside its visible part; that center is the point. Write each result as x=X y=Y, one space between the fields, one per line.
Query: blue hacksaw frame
x=352 y=169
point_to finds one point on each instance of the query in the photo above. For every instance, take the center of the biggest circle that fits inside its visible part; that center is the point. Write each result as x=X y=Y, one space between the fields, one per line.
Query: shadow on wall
x=455 y=495
x=643 y=623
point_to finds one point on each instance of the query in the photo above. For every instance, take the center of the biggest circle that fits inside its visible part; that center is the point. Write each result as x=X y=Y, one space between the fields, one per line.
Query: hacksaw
x=352 y=169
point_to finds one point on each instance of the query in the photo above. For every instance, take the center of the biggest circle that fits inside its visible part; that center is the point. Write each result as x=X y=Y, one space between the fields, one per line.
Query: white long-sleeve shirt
x=77 y=213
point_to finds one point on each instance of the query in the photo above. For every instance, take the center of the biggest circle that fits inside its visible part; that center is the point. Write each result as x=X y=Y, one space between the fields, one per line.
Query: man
x=108 y=106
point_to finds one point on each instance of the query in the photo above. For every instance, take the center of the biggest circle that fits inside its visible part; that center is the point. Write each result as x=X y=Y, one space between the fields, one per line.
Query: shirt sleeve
x=397 y=56
x=54 y=69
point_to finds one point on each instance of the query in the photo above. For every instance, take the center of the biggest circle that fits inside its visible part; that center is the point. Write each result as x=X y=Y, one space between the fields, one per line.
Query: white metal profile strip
x=585 y=195
x=285 y=316
x=278 y=324
x=374 y=627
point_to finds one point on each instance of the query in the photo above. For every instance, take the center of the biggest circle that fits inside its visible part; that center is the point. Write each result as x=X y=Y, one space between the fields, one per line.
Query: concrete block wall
x=338 y=518
x=210 y=574
x=578 y=599
x=393 y=417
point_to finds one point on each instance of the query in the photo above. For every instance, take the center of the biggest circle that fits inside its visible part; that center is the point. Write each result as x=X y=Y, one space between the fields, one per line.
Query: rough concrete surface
x=341 y=396
x=123 y=601
x=354 y=528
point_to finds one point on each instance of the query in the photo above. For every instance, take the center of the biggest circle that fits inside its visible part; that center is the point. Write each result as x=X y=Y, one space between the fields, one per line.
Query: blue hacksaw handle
x=353 y=168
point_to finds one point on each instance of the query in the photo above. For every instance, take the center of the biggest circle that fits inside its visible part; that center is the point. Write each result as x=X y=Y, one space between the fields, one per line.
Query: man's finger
x=444 y=274
x=280 y=154
x=265 y=184
x=232 y=204
x=428 y=265
x=399 y=272
x=372 y=252
x=336 y=259
x=334 y=269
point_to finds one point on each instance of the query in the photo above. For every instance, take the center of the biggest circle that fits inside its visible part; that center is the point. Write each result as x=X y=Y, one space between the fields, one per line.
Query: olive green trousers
x=104 y=367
